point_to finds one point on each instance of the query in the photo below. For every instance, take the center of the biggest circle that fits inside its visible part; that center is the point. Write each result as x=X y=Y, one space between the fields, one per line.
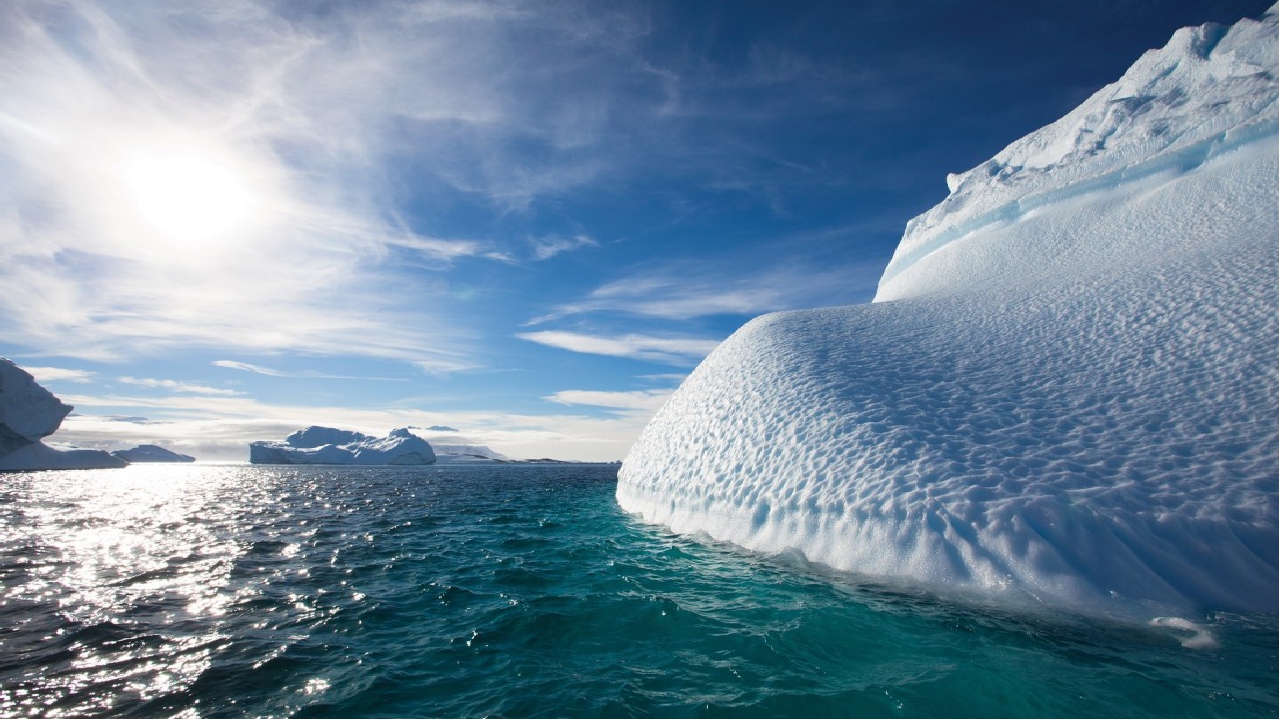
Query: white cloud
x=702 y=288
x=668 y=350
x=53 y=374
x=273 y=372
x=248 y=367
x=548 y=247
x=177 y=386
x=665 y=377
x=647 y=401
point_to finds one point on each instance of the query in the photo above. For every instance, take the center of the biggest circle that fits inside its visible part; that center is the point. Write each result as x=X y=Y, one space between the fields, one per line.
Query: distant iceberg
x=1065 y=393
x=468 y=454
x=151 y=454
x=28 y=412
x=317 y=445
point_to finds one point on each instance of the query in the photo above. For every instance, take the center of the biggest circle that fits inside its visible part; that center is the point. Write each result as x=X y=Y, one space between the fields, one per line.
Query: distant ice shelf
x=1065 y=394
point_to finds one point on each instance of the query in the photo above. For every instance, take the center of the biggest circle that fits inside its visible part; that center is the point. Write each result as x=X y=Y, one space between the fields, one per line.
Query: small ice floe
x=1191 y=635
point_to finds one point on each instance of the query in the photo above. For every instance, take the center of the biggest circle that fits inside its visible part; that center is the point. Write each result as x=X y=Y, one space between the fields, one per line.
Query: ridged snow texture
x=1075 y=406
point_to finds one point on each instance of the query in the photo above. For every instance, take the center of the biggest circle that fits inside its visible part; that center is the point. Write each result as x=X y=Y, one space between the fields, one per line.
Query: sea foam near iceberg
x=1066 y=391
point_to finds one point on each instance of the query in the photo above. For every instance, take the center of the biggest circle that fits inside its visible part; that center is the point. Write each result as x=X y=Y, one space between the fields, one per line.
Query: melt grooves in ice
x=1066 y=392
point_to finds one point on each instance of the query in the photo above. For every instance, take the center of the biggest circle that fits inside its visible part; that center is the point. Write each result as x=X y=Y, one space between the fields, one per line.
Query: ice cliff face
x=28 y=413
x=328 y=446
x=1071 y=399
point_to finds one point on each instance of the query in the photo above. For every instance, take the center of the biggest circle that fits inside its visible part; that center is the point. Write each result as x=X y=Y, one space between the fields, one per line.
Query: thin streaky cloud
x=177 y=386
x=704 y=289
x=648 y=401
x=666 y=350
x=55 y=374
x=545 y=248
x=273 y=372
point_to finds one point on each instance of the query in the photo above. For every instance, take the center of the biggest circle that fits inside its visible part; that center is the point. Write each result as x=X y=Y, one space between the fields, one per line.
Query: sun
x=187 y=196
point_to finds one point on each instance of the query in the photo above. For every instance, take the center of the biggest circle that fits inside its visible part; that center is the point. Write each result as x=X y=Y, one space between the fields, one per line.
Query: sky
x=515 y=224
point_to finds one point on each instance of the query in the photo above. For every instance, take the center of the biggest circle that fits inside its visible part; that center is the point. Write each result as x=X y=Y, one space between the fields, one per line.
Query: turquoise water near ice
x=523 y=591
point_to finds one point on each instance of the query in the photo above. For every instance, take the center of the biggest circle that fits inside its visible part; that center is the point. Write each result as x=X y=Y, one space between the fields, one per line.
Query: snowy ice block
x=328 y=446
x=1073 y=406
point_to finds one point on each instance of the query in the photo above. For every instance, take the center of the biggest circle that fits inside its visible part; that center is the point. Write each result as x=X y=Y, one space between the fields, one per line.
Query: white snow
x=1066 y=392
x=317 y=445
x=151 y=453
x=28 y=412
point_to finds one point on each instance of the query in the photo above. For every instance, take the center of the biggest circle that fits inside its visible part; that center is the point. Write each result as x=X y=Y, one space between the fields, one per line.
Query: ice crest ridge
x=1065 y=395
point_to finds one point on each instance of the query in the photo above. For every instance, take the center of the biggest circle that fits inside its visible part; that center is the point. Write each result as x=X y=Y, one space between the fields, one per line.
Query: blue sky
x=524 y=221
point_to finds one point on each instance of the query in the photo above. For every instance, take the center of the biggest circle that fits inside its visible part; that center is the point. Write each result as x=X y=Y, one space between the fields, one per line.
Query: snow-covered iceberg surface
x=1066 y=391
x=151 y=454
x=328 y=446
x=28 y=412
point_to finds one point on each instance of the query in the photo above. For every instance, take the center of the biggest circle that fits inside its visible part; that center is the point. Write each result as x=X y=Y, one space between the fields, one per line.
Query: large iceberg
x=28 y=413
x=1065 y=392
x=317 y=445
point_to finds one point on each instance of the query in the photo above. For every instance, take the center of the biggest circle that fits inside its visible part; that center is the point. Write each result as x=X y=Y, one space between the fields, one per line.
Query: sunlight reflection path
x=98 y=556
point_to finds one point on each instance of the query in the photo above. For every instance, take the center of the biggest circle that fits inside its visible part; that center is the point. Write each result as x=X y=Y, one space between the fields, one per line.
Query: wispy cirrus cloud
x=55 y=374
x=545 y=248
x=668 y=350
x=274 y=372
x=705 y=288
x=645 y=401
x=233 y=177
x=177 y=386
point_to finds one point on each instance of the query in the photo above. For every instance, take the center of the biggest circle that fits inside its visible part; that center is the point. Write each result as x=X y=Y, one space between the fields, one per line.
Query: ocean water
x=232 y=591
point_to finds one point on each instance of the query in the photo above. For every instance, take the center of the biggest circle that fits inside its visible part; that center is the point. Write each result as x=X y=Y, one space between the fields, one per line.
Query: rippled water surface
x=514 y=591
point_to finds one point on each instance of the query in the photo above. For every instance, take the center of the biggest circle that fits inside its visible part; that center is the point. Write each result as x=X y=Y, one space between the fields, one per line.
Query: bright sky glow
x=527 y=221
x=188 y=198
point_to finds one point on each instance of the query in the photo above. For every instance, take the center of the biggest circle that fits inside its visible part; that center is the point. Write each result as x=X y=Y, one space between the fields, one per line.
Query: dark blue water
x=515 y=591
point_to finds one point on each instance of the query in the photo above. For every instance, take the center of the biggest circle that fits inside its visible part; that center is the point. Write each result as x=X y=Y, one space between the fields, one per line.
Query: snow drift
x=28 y=413
x=317 y=445
x=1066 y=390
